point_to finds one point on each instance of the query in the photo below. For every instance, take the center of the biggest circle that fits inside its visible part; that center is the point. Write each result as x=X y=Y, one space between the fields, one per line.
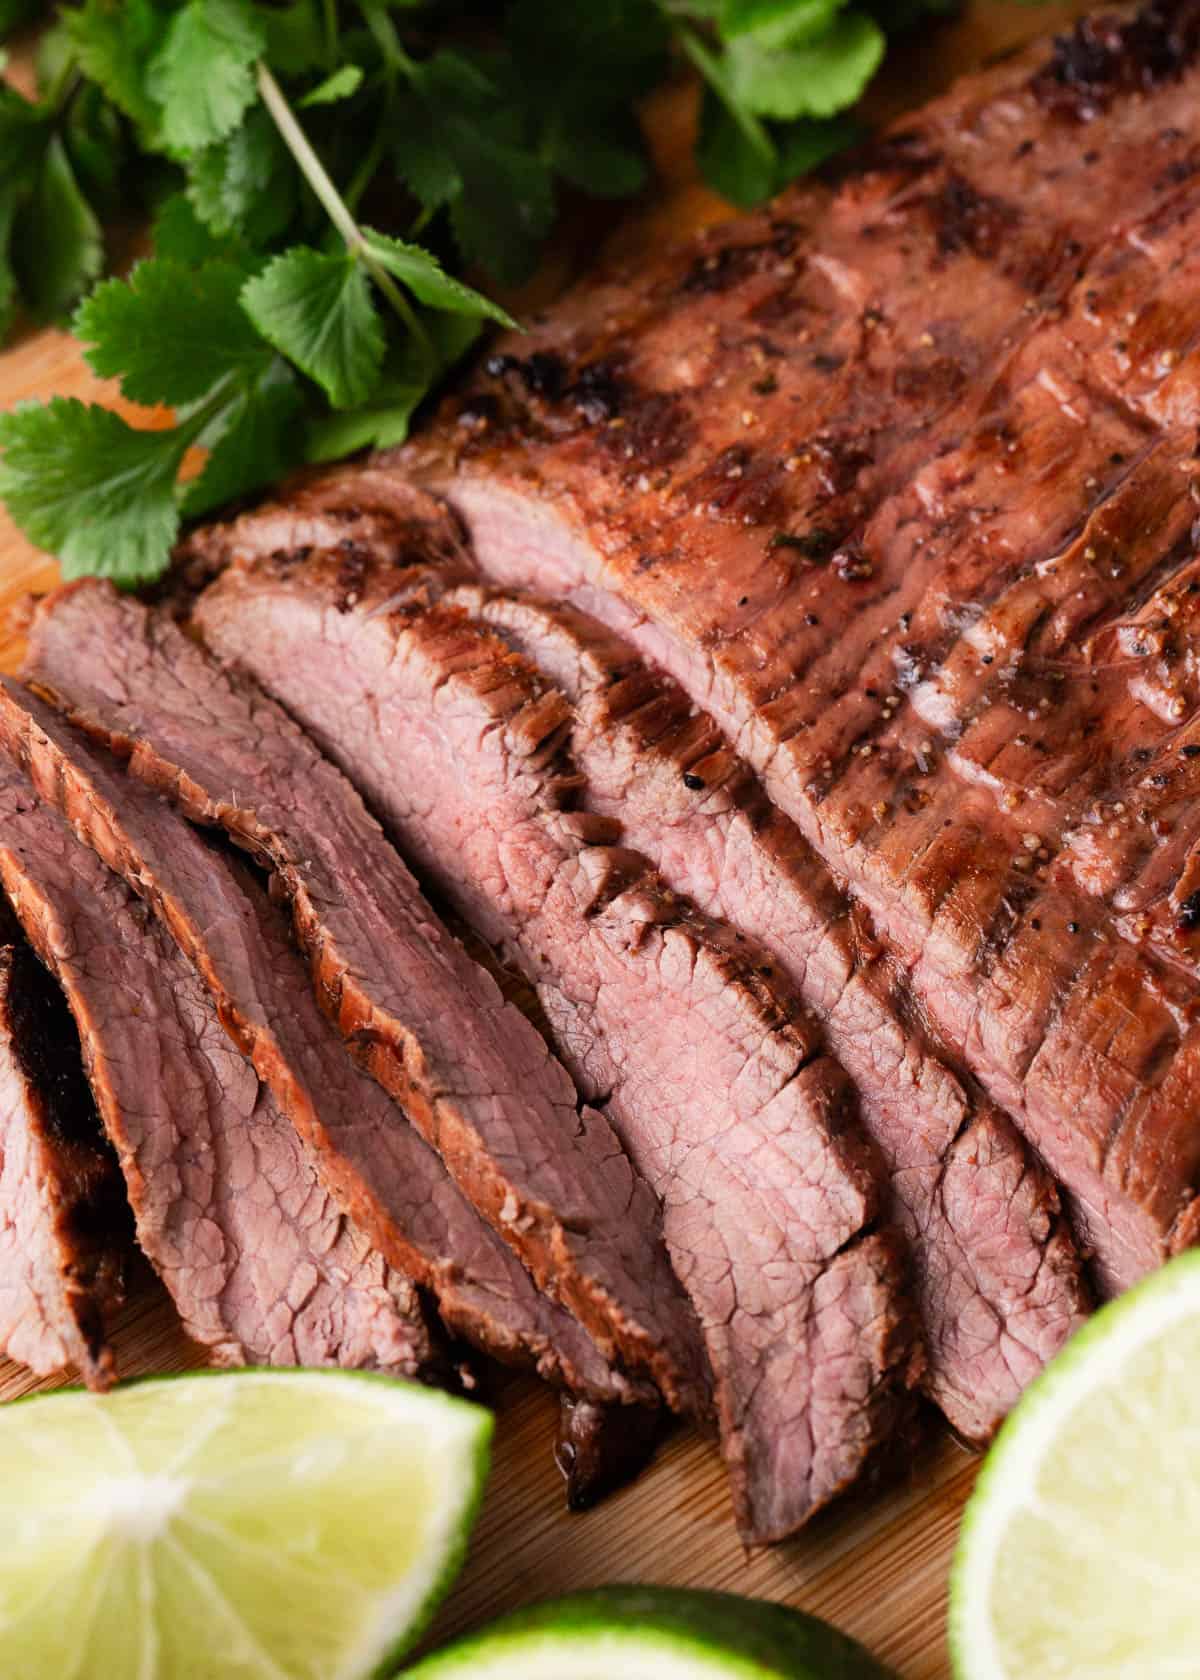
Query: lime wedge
x=1078 y=1550
x=653 y=1633
x=248 y=1525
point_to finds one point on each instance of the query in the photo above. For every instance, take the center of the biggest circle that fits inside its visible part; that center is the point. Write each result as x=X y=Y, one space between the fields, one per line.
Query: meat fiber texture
x=472 y=1073
x=385 y=1177
x=997 y=1277
x=261 y=1264
x=897 y=479
x=716 y=1082
x=64 y=1225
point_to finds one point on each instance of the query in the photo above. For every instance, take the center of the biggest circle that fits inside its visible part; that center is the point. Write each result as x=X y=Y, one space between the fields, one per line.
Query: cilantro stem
x=706 y=63
x=332 y=202
x=310 y=165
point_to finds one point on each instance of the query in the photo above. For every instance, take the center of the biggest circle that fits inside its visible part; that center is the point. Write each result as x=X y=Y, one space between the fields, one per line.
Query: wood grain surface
x=877 y=1566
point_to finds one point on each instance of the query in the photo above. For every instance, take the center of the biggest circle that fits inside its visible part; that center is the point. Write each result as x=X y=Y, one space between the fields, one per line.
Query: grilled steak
x=997 y=1276
x=389 y=1182
x=260 y=1263
x=897 y=483
x=996 y=1270
x=714 y=1079
x=471 y=1072
x=64 y=1221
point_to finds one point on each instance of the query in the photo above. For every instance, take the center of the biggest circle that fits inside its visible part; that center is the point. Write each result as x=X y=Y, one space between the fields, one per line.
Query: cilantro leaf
x=731 y=160
x=8 y=279
x=295 y=36
x=90 y=488
x=597 y=147
x=252 y=442
x=180 y=235
x=246 y=183
x=24 y=133
x=168 y=333
x=578 y=71
x=95 y=139
x=428 y=281
x=114 y=44
x=456 y=141
x=317 y=311
x=806 y=143
x=57 y=242
x=411 y=371
x=23 y=139
x=344 y=82
x=814 y=78
x=202 y=76
x=777 y=22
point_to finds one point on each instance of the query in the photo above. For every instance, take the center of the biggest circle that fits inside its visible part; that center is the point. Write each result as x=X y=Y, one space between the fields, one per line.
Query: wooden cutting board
x=878 y=1565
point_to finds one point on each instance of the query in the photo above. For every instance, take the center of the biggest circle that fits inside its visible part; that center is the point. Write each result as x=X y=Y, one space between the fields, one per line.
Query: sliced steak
x=706 y=1064
x=432 y=1026
x=898 y=487
x=65 y=1228
x=997 y=1276
x=997 y=1273
x=393 y=1187
x=261 y=1264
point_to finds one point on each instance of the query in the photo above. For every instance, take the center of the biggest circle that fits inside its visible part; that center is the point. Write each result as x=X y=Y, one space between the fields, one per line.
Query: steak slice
x=261 y=1265
x=997 y=1277
x=389 y=1183
x=600 y=1448
x=706 y=1065
x=470 y=1071
x=64 y=1222
x=898 y=487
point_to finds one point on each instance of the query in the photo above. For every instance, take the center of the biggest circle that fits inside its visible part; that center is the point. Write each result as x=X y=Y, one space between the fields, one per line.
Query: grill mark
x=1028 y=667
x=1059 y=1000
x=936 y=653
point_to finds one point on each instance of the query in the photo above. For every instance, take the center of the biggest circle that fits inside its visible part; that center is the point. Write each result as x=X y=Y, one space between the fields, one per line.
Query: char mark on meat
x=469 y=1070
x=701 y=1055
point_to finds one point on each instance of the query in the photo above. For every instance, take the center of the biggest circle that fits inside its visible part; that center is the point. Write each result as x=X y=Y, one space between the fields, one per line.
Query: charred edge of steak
x=1106 y=55
x=351 y=515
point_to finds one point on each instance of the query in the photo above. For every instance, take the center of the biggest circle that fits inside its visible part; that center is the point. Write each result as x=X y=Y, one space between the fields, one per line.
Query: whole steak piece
x=898 y=482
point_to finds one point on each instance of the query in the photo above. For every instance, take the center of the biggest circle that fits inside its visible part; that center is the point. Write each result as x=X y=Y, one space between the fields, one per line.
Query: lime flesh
x=250 y=1525
x=653 y=1633
x=1078 y=1551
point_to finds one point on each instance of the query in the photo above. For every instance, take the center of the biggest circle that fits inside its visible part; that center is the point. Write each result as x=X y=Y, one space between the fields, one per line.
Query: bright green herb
x=277 y=324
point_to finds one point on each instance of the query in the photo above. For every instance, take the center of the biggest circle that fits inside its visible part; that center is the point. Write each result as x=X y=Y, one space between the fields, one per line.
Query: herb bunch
x=267 y=142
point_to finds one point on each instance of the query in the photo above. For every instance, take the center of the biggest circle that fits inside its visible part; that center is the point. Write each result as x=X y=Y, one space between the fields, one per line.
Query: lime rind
x=252 y=1525
x=1007 y=1485
x=654 y=1633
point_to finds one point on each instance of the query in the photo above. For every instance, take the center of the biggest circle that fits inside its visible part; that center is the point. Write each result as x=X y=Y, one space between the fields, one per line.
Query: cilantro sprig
x=314 y=171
